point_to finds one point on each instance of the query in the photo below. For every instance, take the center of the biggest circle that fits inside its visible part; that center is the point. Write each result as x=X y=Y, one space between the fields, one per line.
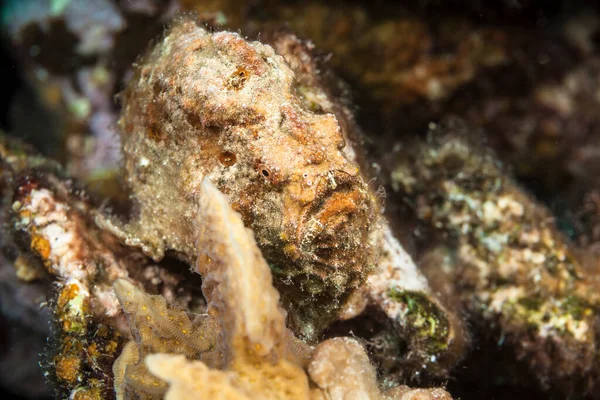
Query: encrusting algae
x=254 y=259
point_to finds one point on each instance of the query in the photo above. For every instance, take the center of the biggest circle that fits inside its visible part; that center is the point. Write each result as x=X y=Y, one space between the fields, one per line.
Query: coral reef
x=208 y=214
x=54 y=221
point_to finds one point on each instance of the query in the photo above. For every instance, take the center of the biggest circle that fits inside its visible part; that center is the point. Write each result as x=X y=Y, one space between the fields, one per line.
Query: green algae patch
x=572 y=306
x=568 y=315
x=425 y=319
x=577 y=307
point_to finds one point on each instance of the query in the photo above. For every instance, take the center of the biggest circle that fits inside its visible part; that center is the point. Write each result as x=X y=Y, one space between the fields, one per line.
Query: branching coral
x=49 y=218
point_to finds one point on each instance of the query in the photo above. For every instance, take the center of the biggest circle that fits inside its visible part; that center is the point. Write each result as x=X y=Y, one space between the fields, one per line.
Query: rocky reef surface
x=300 y=200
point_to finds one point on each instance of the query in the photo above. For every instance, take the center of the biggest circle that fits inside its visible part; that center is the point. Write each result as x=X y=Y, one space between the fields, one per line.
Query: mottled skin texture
x=513 y=267
x=216 y=105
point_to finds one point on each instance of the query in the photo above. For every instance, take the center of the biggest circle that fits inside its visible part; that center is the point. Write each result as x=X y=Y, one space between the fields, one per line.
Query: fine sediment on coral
x=513 y=268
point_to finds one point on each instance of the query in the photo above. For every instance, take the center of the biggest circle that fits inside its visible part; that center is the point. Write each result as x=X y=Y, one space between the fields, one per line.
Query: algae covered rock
x=512 y=267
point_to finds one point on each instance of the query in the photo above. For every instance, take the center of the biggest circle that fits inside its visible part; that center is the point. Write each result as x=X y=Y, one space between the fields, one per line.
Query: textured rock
x=512 y=267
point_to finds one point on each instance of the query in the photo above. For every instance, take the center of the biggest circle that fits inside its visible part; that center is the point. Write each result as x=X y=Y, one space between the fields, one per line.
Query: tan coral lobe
x=216 y=105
